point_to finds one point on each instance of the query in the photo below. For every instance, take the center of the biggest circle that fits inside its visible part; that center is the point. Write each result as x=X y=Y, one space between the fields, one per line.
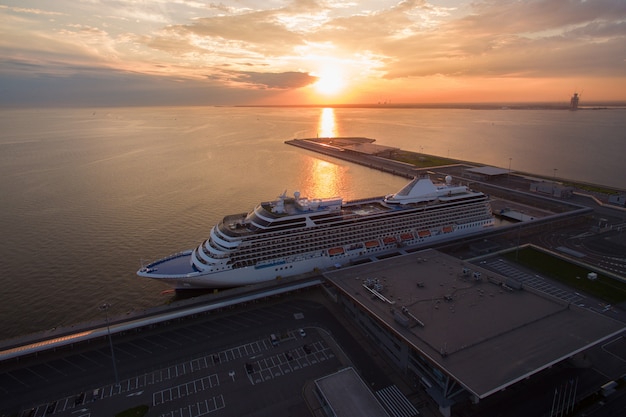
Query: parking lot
x=202 y=383
x=224 y=364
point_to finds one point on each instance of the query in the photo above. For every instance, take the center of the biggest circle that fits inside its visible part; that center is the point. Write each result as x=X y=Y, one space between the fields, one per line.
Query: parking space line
x=165 y=339
x=269 y=367
x=17 y=379
x=95 y=362
x=120 y=348
x=149 y=340
x=139 y=347
x=73 y=364
x=157 y=398
x=185 y=389
x=62 y=405
x=183 y=335
x=36 y=374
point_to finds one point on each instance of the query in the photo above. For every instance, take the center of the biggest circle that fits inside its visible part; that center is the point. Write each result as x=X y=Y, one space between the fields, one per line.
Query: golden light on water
x=327 y=127
x=324 y=179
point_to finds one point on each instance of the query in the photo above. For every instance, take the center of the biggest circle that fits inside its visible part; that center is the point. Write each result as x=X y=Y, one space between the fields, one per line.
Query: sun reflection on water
x=327 y=127
x=324 y=179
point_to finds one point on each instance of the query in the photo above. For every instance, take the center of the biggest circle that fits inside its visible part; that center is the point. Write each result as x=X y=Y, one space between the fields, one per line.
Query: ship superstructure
x=294 y=235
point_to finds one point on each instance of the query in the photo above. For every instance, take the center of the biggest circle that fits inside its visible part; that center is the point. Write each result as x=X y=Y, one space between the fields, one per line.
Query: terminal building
x=460 y=331
x=485 y=173
x=552 y=189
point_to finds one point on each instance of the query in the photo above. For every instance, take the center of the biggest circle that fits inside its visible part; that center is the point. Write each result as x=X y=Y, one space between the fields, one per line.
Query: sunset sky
x=225 y=52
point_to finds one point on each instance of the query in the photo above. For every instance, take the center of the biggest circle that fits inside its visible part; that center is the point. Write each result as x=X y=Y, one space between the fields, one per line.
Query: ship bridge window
x=288 y=221
x=284 y=227
x=258 y=221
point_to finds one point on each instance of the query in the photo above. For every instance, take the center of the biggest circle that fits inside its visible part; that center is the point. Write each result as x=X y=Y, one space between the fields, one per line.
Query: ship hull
x=306 y=263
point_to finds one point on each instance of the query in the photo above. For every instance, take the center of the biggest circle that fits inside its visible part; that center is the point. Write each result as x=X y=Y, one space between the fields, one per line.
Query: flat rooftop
x=488 y=170
x=347 y=395
x=481 y=328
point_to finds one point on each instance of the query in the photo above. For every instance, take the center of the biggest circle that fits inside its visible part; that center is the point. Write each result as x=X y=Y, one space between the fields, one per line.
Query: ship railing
x=366 y=200
x=169 y=258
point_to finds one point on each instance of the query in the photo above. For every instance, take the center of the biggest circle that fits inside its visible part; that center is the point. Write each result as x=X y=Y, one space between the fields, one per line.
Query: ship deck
x=179 y=264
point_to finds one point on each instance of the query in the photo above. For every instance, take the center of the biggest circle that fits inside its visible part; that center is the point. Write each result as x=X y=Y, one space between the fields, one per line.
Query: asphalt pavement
x=220 y=363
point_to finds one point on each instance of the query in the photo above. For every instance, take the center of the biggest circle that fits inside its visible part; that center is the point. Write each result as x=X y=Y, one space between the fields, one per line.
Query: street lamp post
x=105 y=307
x=508 y=176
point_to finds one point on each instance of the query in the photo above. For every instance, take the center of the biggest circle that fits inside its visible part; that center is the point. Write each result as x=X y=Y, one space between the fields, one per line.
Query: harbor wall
x=398 y=168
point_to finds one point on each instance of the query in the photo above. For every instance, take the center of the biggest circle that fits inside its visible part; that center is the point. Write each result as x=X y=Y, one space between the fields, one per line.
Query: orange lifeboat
x=372 y=244
x=389 y=240
x=423 y=233
x=407 y=236
x=335 y=251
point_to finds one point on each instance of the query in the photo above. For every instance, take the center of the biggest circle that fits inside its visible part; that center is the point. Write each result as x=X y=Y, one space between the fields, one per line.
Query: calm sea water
x=87 y=194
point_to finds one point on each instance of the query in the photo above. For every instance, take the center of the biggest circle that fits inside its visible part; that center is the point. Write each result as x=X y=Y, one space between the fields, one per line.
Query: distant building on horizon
x=573 y=103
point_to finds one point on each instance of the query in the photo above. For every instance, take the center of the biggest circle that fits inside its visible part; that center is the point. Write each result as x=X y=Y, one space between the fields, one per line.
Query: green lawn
x=421 y=160
x=604 y=288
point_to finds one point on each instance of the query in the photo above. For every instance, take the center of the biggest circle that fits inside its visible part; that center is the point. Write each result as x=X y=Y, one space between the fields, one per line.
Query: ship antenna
x=280 y=203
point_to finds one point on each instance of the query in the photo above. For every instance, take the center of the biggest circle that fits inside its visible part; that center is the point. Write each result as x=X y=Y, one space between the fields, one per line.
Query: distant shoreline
x=462 y=106
x=617 y=105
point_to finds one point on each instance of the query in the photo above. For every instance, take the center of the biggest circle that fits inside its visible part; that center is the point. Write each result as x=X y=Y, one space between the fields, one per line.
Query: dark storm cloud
x=110 y=88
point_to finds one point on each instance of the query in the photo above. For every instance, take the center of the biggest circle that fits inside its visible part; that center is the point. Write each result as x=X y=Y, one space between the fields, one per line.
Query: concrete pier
x=360 y=151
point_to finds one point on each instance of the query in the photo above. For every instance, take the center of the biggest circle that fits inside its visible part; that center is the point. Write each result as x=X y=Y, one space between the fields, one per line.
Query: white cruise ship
x=295 y=235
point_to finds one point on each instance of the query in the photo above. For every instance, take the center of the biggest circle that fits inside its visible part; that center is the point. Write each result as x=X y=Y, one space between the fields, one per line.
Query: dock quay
x=358 y=150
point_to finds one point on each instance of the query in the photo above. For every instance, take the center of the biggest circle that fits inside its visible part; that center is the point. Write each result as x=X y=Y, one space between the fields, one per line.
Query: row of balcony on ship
x=309 y=245
x=313 y=243
x=435 y=217
x=435 y=221
x=338 y=238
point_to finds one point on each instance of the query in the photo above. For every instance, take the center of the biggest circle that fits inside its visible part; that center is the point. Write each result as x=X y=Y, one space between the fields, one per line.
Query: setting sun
x=330 y=82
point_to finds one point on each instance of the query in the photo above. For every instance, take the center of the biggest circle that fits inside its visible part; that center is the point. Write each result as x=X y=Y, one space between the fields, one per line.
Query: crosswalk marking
x=395 y=402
